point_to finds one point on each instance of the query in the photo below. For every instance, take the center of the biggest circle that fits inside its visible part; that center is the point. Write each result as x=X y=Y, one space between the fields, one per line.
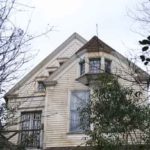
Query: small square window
x=61 y=63
x=50 y=73
x=40 y=86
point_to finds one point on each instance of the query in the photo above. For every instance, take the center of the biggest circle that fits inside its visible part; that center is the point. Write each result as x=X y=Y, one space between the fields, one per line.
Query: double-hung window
x=30 y=135
x=78 y=99
x=95 y=65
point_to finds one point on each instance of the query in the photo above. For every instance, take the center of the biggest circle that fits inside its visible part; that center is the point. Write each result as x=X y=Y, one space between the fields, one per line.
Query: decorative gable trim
x=45 y=61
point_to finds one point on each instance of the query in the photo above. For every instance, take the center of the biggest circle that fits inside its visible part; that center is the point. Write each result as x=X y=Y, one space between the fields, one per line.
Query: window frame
x=82 y=67
x=108 y=69
x=96 y=68
x=76 y=131
x=39 y=85
x=35 y=130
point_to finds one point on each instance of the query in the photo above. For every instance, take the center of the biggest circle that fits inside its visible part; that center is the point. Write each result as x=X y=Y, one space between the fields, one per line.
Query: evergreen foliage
x=116 y=115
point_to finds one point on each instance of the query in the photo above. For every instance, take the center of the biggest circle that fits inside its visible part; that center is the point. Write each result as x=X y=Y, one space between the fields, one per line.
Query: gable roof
x=93 y=45
x=46 y=60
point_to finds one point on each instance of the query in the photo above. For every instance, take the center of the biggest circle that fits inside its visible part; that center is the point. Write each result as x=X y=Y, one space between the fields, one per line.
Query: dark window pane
x=50 y=73
x=107 y=66
x=61 y=63
x=41 y=87
x=95 y=65
x=82 y=67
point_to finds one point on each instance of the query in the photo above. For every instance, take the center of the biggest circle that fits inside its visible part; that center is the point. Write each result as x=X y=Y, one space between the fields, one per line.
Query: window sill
x=77 y=136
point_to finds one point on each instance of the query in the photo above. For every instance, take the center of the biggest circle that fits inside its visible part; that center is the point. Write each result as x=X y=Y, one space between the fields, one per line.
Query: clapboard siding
x=29 y=87
x=24 y=104
x=58 y=102
x=55 y=101
x=29 y=99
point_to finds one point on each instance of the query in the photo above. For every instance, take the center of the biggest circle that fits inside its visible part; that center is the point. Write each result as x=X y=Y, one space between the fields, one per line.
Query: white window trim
x=69 y=114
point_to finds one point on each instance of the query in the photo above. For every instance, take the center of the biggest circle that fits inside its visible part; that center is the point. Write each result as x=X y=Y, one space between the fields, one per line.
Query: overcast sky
x=81 y=16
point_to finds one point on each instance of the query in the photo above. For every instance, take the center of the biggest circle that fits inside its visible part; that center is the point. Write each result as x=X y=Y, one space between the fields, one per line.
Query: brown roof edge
x=95 y=45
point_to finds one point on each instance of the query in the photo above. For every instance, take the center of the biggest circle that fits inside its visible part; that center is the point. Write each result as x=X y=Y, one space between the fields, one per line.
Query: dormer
x=96 y=57
x=93 y=60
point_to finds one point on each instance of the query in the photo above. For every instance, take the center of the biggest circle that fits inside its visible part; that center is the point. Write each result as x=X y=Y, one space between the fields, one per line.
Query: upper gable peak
x=77 y=36
x=96 y=45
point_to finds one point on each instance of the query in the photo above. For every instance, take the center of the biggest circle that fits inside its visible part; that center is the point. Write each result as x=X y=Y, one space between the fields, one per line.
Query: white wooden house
x=46 y=98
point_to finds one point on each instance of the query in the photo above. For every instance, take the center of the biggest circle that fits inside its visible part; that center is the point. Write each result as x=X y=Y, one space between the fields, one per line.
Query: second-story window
x=78 y=100
x=40 y=86
x=107 y=66
x=82 y=67
x=94 y=65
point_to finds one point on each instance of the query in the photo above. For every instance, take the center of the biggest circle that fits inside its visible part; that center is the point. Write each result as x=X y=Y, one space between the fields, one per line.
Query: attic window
x=61 y=63
x=50 y=73
x=40 y=86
